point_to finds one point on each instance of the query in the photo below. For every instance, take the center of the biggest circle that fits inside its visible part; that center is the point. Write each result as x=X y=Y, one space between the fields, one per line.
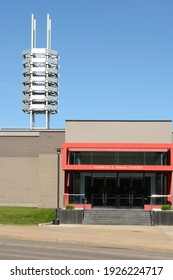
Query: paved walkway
x=137 y=237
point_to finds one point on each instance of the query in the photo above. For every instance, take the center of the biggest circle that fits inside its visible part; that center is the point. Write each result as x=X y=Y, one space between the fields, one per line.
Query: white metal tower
x=40 y=78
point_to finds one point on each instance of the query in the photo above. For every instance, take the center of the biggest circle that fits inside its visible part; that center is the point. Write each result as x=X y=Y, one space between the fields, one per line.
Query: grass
x=25 y=215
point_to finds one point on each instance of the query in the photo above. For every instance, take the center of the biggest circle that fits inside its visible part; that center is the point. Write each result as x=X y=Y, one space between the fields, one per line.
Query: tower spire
x=48 y=32
x=33 y=32
x=40 y=78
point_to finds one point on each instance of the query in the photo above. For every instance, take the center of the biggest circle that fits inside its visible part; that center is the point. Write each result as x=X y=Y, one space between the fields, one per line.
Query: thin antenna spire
x=33 y=32
x=48 y=32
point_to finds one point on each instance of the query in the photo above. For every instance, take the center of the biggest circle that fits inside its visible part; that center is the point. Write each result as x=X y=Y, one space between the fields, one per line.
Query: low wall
x=162 y=218
x=71 y=216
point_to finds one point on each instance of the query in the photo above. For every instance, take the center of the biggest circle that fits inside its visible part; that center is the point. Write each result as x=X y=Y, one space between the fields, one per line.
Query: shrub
x=166 y=207
x=69 y=207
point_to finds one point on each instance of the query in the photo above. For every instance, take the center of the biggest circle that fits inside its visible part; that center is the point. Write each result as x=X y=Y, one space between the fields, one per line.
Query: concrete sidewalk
x=158 y=238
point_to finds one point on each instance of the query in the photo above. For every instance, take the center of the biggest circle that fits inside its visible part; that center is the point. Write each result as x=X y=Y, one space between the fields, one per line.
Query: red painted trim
x=67 y=182
x=171 y=155
x=66 y=199
x=113 y=147
x=135 y=146
x=151 y=207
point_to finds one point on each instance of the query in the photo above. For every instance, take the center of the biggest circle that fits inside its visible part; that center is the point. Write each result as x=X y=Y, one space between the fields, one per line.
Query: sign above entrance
x=137 y=168
x=118 y=167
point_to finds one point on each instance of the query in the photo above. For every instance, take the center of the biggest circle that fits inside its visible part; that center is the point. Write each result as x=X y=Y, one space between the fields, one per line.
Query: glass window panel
x=151 y=158
x=165 y=158
x=136 y=158
x=116 y=157
x=84 y=158
x=103 y=158
x=80 y=157
x=131 y=158
x=122 y=158
x=160 y=189
x=71 y=158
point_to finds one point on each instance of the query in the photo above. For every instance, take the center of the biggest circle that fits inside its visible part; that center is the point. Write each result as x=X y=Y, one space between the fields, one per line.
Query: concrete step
x=117 y=217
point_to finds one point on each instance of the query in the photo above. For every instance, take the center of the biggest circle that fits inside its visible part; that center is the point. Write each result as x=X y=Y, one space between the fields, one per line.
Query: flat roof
x=119 y=121
x=26 y=132
x=31 y=130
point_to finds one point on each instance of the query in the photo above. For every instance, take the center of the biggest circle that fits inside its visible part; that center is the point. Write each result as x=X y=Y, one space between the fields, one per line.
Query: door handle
x=130 y=197
x=104 y=197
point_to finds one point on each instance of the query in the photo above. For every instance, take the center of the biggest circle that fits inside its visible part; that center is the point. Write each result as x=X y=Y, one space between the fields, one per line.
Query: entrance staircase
x=117 y=217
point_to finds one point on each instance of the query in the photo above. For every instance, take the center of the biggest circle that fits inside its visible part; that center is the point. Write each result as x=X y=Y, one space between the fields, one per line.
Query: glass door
x=125 y=196
x=111 y=191
x=137 y=192
x=104 y=192
x=131 y=192
x=98 y=196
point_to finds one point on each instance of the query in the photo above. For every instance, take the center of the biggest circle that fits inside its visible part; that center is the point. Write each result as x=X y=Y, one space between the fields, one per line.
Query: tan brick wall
x=30 y=181
x=13 y=144
x=48 y=185
x=18 y=181
x=47 y=180
x=28 y=168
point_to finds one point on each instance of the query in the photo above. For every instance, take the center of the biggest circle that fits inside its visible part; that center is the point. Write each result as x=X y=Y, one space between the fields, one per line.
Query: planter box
x=162 y=218
x=71 y=216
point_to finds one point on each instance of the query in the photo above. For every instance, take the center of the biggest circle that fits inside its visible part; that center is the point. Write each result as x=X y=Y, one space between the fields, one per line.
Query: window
x=121 y=158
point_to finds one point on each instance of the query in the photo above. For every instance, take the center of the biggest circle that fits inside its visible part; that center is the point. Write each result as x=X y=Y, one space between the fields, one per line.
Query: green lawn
x=25 y=215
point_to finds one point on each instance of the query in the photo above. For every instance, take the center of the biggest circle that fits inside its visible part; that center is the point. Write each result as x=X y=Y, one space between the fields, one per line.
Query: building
x=89 y=164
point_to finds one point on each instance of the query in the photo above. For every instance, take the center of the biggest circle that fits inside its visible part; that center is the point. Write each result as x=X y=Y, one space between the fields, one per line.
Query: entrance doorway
x=104 y=192
x=131 y=192
x=122 y=189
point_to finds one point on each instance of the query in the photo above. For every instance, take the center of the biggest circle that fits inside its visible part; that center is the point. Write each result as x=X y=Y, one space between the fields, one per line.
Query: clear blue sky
x=116 y=58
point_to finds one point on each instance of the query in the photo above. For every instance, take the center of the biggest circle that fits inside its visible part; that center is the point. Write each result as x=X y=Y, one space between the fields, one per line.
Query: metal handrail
x=161 y=195
x=75 y=198
x=69 y=194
